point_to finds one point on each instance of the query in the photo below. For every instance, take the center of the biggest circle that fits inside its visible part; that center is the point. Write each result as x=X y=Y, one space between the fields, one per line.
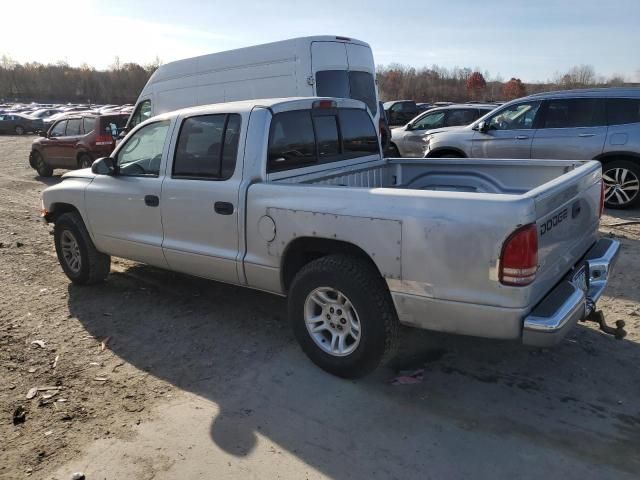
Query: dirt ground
x=163 y=376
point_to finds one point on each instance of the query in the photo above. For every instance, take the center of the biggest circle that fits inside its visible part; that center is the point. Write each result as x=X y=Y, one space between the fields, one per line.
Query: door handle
x=585 y=135
x=151 y=200
x=223 y=208
x=522 y=137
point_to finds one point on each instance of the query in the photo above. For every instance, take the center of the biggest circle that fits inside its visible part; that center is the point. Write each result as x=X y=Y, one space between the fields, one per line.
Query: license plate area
x=580 y=278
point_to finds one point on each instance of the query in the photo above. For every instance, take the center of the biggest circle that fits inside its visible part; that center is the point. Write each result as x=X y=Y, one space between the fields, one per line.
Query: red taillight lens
x=324 y=104
x=519 y=258
x=104 y=140
x=602 y=190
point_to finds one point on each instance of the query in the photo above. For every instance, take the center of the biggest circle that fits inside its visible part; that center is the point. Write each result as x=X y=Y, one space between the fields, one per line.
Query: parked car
x=19 y=124
x=400 y=112
x=324 y=66
x=601 y=124
x=43 y=113
x=293 y=197
x=408 y=140
x=75 y=142
x=423 y=107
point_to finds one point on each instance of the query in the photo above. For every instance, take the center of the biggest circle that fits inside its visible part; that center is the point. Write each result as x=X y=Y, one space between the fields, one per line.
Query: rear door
x=510 y=134
x=200 y=198
x=571 y=128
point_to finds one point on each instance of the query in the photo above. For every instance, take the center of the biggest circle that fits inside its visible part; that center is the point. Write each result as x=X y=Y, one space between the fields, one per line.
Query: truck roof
x=274 y=104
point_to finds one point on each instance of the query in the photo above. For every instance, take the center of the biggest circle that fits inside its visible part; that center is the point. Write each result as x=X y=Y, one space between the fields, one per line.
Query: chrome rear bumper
x=567 y=303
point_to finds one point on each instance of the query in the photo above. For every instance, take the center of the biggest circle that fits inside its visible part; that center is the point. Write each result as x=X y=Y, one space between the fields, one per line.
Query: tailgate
x=567 y=217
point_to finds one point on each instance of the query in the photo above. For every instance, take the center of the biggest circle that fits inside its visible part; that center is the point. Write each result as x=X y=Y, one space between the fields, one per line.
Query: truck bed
x=514 y=177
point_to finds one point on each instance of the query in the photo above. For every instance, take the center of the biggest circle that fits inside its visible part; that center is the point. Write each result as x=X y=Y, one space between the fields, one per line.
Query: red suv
x=75 y=142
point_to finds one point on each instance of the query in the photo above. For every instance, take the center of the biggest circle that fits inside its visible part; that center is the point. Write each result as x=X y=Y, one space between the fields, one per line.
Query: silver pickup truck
x=293 y=197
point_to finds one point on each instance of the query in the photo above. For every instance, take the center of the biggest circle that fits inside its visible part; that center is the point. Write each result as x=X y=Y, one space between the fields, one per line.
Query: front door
x=200 y=198
x=52 y=150
x=124 y=209
x=67 y=144
x=412 y=141
x=573 y=128
x=510 y=132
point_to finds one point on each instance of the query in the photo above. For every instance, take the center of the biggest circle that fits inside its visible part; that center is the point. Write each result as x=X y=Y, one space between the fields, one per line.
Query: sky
x=533 y=40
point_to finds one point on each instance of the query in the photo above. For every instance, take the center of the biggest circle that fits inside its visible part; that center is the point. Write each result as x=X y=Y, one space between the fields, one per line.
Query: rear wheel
x=19 y=130
x=85 y=161
x=342 y=315
x=41 y=166
x=80 y=260
x=622 y=184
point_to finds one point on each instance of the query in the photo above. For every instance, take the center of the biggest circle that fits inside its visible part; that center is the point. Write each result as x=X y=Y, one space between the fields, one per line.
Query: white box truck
x=323 y=66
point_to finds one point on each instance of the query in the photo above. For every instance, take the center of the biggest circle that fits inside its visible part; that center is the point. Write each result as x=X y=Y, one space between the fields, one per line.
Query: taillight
x=602 y=190
x=104 y=140
x=519 y=257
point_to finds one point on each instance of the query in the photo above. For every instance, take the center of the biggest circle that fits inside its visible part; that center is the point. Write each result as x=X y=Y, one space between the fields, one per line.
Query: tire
x=19 y=130
x=393 y=151
x=85 y=161
x=41 y=166
x=622 y=184
x=368 y=306
x=81 y=262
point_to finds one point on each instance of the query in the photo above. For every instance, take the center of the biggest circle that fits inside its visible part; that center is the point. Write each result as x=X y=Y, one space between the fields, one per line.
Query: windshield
x=346 y=84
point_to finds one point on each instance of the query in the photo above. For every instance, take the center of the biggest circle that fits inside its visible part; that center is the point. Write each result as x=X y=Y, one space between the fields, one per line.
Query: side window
x=621 y=111
x=363 y=88
x=574 y=112
x=291 y=140
x=515 y=117
x=58 y=129
x=89 y=124
x=206 y=149
x=430 y=121
x=456 y=118
x=142 y=113
x=141 y=155
x=397 y=107
x=73 y=127
x=359 y=136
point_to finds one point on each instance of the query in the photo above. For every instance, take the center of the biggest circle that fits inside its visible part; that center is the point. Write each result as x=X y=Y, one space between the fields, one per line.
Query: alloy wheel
x=621 y=186
x=332 y=321
x=71 y=251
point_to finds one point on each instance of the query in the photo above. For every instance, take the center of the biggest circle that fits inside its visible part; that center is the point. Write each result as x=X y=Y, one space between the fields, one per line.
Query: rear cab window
x=301 y=138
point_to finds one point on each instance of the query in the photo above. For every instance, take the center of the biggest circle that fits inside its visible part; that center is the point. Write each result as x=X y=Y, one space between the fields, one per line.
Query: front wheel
x=622 y=184
x=85 y=161
x=342 y=315
x=41 y=166
x=80 y=260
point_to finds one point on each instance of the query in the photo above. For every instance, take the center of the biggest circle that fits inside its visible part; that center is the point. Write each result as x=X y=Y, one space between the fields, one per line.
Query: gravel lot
x=163 y=376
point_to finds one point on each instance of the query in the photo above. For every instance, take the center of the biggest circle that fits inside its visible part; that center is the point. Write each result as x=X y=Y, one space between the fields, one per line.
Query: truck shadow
x=233 y=347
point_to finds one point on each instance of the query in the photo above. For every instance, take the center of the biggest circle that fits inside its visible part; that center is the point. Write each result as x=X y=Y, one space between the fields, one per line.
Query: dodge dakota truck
x=293 y=197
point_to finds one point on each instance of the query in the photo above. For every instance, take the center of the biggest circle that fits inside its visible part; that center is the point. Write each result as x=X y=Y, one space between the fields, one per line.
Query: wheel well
x=445 y=151
x=58 y=209
x=612 y=156
x=81 y=153
x=304 y=250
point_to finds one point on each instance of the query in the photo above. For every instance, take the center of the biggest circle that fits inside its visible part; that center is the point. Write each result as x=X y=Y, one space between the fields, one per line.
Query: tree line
x=121 y=83
x=430 y=84
x=62 y=83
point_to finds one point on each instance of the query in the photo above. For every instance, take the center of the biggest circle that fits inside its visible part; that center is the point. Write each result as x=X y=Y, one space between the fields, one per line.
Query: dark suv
x=75 y=142
x=399 y=112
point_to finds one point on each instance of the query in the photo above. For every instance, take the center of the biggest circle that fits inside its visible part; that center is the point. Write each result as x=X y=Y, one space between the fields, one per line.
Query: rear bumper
x=566 y=304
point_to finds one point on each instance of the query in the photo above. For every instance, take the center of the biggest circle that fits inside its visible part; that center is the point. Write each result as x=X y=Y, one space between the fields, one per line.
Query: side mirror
x=104 y=166
x=409 y=126
x=483 y=127
x=43 y=133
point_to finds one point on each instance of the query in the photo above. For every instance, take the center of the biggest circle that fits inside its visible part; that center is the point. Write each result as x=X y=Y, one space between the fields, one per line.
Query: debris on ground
x=409 y=378
x=39 y=343
x=78 y=476
x=19 y=415
x=55 y=361
x=104 y=344
x=32 y=393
